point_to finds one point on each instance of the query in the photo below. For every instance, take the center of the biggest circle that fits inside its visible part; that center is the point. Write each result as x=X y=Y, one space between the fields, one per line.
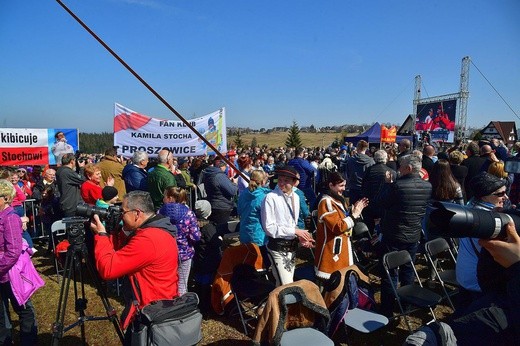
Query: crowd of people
x=172 y=209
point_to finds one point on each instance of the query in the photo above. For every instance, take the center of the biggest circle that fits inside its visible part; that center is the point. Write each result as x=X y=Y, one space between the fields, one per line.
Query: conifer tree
x=293 y=138
x=238 y=140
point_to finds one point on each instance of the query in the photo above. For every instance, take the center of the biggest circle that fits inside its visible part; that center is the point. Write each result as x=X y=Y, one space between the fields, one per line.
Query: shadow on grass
x=66 y=340
x=226 y=342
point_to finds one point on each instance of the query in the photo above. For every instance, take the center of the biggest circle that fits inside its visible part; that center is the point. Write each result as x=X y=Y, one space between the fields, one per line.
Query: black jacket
x=219 y=188
x=356 y=166
x=460 y=173
x=404 y=203
x=373 y=182
x=474 y=164
x=69 y=183
x=427 y=164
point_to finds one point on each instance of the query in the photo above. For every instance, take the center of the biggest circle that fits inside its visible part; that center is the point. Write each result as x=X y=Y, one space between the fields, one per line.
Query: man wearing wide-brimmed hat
x=280 y=210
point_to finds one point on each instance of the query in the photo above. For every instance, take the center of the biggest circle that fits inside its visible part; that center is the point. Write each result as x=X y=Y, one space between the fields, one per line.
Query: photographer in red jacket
x=148 y=255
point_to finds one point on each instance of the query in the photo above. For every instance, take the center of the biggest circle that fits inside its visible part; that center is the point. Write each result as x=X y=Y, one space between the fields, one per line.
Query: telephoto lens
x=457 y=221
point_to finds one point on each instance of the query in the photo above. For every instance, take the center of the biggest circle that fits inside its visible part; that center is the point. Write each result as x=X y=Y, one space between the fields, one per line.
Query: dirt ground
x=216 y=330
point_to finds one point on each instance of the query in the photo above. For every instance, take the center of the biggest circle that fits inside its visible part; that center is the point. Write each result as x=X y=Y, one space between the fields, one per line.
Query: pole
x=152 y=90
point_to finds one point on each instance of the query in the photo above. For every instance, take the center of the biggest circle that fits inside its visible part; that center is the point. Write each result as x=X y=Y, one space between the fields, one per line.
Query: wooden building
x=504 y=130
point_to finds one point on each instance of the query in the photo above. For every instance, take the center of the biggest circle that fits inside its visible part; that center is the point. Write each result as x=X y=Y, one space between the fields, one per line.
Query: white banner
x=134 y=132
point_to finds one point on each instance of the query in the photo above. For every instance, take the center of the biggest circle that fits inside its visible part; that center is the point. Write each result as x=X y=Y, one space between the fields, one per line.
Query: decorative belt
x=283 y=245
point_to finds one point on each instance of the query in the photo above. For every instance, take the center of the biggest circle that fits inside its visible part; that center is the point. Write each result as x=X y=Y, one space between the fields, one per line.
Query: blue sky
x=268 y=62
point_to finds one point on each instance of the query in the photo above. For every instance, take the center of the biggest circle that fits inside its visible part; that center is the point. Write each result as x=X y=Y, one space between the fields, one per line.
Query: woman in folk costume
x=333 y=248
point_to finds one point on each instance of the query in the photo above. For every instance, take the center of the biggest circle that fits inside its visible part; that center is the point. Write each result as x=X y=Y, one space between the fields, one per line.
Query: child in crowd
x=207 y=254
x=188 y=232
x=108 y=197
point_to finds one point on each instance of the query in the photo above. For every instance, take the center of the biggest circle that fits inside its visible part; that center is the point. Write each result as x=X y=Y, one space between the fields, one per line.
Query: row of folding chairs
x=415 y=296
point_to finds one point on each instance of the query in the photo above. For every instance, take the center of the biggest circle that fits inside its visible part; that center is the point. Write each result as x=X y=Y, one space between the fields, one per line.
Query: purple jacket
x=10 y=241
x=188 y=232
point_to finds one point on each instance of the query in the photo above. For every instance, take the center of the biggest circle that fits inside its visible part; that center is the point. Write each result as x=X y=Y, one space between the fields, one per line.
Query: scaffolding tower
x=460 y=127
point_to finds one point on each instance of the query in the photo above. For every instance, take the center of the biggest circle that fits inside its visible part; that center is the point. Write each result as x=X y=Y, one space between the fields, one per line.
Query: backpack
x=361 y=294
x=355 y=293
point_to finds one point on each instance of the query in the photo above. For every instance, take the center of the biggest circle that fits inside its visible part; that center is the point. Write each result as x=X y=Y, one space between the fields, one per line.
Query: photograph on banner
x=61 y=142
x=137 y=132
x=19 y=146
x=438 y=119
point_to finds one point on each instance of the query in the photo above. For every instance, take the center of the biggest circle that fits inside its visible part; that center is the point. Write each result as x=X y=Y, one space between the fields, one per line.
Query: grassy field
x=216 y=330
x=277 y=139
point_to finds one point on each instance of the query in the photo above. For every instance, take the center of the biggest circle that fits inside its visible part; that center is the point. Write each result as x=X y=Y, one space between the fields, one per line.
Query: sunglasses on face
x=499 y=194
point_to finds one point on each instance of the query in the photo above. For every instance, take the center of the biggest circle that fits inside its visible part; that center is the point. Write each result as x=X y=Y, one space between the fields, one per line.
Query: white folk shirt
x=280 y=214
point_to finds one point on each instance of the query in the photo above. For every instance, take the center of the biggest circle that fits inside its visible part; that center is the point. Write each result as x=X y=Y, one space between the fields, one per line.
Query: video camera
x=75 y=225
x=457 y=221
x=111 y=215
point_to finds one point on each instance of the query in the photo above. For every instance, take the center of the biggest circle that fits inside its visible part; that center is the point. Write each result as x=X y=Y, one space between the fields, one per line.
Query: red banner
x=24 y=156
x=388 y=135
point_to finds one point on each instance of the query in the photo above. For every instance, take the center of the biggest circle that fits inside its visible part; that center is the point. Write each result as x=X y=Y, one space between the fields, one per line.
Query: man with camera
x=69 y=182
x=148 y=253
x=494 y=318
x=489 y=194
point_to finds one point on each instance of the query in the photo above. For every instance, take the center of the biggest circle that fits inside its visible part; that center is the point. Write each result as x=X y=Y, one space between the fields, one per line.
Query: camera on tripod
x=457 y=221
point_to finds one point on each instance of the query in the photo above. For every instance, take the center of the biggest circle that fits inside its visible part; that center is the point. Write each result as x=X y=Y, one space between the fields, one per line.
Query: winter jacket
x=474 y=164
x=373 y=182
x=135 y=178
x=158 y=180
x=304 y=208
x=404 y=203
x=69 y=183
x=278 y=317
x=427 y=164
x=219 y=189
x=110 y=167
x=356 y=166
x=307 y=172
x=249 y=206
x=334 y=226
x=48 y=196
x=91 y=192
x=188 y=232
x=150 y=256
x=10 y=241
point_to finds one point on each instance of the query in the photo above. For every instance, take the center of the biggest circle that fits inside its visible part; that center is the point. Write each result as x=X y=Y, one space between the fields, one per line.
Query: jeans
x=405 y=274
x=27 y=317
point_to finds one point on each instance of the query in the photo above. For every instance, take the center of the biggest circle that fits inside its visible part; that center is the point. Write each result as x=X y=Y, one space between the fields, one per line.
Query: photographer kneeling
x=148 y=254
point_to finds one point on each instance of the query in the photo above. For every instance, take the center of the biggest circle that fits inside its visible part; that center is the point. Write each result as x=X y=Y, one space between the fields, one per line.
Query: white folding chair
x=58 y=230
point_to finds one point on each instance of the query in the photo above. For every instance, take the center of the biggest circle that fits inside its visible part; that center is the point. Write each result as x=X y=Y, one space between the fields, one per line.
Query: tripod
x=76 y=259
